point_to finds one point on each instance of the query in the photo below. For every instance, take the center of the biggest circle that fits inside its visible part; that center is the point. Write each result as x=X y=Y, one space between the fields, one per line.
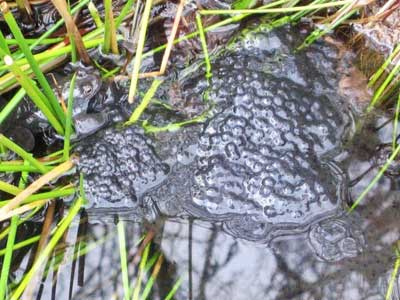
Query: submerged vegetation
x=42 y=181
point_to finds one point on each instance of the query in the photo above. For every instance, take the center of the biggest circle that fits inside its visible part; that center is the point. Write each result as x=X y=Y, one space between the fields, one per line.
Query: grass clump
x=385 y=83
x=51 y=100
x=110 y=34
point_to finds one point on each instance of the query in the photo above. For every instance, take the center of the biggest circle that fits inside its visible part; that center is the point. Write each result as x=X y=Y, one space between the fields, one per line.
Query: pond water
x=219 y=234
x=250 y=201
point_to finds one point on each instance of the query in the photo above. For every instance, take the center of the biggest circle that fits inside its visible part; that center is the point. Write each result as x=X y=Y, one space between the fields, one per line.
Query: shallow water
x=214 y=265
x=219 y=226
x=264 y=162
x=333 y=258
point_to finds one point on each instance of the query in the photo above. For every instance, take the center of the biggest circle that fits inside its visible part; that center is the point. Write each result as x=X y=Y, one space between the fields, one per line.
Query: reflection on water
x=214 y=265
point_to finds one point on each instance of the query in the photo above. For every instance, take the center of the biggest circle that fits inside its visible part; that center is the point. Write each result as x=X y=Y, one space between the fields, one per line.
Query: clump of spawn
x=118 y=166
x=263 y=162
x=265 y=155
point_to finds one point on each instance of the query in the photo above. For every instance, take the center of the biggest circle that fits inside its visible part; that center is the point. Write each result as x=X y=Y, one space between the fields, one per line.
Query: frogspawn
x=263 y=164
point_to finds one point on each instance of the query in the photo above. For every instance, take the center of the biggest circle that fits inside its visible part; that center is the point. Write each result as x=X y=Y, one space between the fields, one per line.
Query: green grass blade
x=74 y=54
x=301 y=14
x=274 y=10
x=11 y=105
x=123 y=259
x=34 y=93
x=9 y=188
x=52 y=99
x=45 y=195
x=110 y=40
x=62 y=227
x=3 y=44
x=18 y=168
x=107 y=26
x=384 y=66
x=393 y=277
x=174 y=126
x=395 y=123
x=243 y=4
x=145 y=102
x=376 y=178
x=7 y=257
x=174 y=289
x=95 y=15
x=382 y=88
x=68 y=121
x=22 y=244
x=316 y=34
x=82 y=193
x=158 y=259
x=124 y=12
x=204 y=45
x=139 y=50
x=15 y=221
x=6 y=142
x=49 y=41
x=142 y=267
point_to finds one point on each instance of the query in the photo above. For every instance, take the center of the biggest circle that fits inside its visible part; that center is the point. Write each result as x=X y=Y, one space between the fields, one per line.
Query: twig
x=24 y=6
x=170 y=44
x=171 y=38
x=73 y=31
x=62 y=227
x=147 y=239
x=28 y=293
x=22 y=209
